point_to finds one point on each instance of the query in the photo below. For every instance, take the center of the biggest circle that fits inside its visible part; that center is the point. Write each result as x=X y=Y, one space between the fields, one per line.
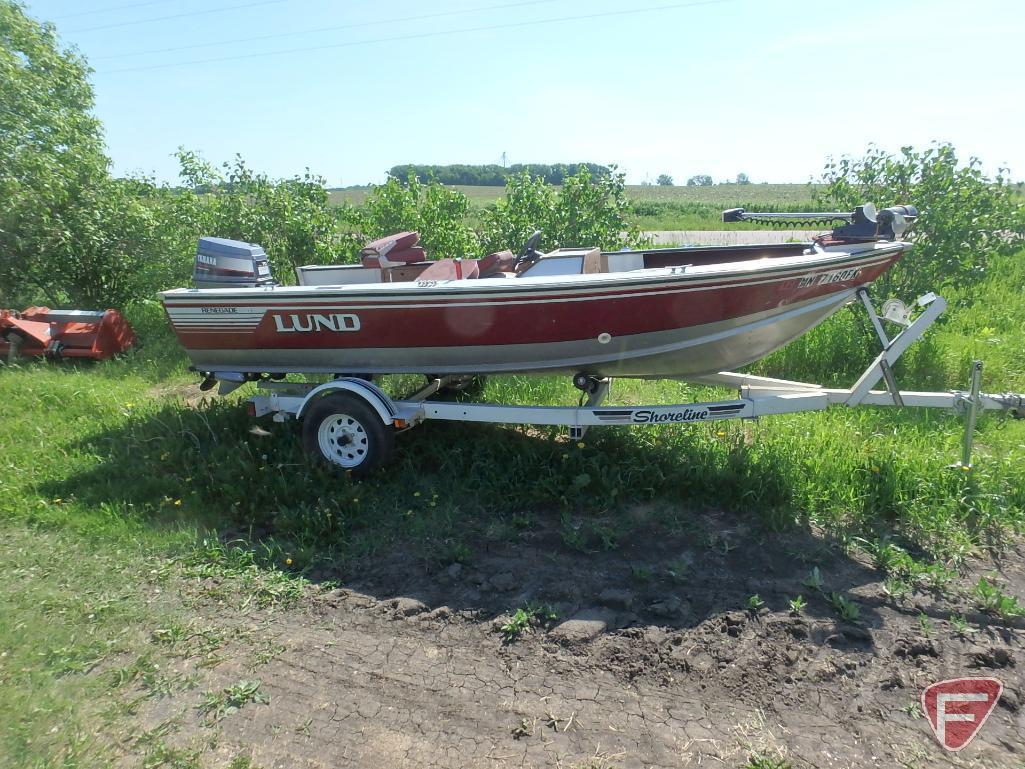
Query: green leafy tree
x=52 y=166
x=700 y=180
x=586 y=211
x=291 y=218
x=742 y=178
x=966 y=218
x=438 y=213
x=664 y=180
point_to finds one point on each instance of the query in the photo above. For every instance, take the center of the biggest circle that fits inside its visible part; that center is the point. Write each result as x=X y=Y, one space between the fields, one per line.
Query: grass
x=663 y=208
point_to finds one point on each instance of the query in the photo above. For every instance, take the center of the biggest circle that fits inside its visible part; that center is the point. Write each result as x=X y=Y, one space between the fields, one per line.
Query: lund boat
x=682 y=313
x=688 y=313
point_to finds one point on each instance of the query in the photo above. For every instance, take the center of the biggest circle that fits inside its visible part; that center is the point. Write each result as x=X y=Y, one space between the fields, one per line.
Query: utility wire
x=109 y=8
x=419 y=36
x=324 y=29
x=175 y=16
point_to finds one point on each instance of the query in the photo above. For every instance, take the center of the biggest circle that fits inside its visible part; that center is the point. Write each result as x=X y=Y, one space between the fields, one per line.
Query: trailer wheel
x=345 y=431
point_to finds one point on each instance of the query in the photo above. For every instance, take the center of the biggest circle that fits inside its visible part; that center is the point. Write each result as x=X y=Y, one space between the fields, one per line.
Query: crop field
x=664 y=208
x=183 y=589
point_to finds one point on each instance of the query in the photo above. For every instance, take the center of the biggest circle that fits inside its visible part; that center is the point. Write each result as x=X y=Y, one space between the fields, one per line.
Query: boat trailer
x=351 y=423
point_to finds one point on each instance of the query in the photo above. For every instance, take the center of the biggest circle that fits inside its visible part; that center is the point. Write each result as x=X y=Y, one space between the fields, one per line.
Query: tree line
x=495 y=175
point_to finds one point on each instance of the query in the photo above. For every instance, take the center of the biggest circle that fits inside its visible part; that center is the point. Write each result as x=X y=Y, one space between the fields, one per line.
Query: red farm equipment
x=60 y=334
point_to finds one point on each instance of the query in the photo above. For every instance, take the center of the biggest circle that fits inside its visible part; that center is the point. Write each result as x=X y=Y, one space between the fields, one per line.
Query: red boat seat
x=400 y=248
x=447 y=269
x=496 y=263
x=405 y=256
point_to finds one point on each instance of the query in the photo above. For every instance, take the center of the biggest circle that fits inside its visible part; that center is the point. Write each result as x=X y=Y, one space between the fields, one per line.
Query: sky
x=770 y=88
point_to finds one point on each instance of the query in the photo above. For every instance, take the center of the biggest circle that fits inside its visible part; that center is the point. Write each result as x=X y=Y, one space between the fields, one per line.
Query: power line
x=419 y=36
x=325 y=29
x=109 y=8
x=175 y=16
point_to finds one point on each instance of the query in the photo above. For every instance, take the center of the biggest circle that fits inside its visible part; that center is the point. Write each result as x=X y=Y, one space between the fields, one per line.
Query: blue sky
x=767 y=88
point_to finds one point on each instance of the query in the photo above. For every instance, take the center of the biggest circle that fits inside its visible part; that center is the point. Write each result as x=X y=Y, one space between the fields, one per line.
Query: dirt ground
x=656 y=659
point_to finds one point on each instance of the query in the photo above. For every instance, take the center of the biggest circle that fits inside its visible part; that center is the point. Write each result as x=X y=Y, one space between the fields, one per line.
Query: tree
x=701 y=180
x=743 y=179
x=965 y=217
x=664 y=180
x=52 y=165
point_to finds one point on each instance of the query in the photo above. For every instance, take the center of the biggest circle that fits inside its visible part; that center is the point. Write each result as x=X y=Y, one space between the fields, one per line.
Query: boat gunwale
x=654 y=278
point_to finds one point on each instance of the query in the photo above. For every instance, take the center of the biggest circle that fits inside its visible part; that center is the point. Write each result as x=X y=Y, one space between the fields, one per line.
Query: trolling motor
x=864 y=223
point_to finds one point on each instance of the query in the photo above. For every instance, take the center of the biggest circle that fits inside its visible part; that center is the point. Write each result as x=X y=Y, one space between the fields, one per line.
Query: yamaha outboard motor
x=223 y=263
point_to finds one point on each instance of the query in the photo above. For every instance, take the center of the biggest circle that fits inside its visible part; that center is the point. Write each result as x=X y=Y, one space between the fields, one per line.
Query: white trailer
x=351 y=423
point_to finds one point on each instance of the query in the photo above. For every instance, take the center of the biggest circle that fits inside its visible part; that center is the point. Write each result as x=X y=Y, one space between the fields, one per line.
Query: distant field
x=717 y=194
x=663 y=208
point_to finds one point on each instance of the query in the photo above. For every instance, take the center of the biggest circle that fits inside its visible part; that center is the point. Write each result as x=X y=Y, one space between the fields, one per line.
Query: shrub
x=966 y=218
x=438 y=213
x=586 y=211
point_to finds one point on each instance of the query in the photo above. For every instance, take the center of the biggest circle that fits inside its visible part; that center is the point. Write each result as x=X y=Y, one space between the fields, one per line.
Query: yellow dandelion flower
x=288 y=562
x=966 y=468
x=581 y=444
x=177 y=503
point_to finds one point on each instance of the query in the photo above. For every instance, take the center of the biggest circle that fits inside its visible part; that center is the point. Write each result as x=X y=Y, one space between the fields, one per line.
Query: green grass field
x=663 y=208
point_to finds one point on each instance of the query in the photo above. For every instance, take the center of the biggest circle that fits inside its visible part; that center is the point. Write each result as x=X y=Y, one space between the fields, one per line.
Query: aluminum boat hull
x=674 y=322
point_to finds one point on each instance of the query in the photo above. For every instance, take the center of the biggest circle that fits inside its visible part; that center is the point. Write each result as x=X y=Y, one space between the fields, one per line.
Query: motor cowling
x=224 y=263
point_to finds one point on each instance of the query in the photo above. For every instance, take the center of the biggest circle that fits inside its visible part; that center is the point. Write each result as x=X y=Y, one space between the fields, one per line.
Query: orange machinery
x=59 y=334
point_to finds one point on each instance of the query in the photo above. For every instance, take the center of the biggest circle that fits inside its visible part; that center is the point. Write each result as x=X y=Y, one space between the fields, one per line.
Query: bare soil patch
x=658 y=658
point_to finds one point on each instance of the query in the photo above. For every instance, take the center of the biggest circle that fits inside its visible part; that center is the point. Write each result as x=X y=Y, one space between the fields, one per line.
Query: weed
x=925 y=624
x=914 y=710
x=895 y=587
x=960 y=626
x=814 y=579
x=642 y=574
x=994 y=601
x=162 y=756
x=755 y=602
x=677 y=571
x=846 y=609
x=797 y=605
x=760 y=761
x=217 y=705
x=523 y=618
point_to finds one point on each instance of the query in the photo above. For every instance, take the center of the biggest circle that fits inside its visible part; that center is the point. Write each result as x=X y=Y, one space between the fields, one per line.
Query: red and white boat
x=665 y=313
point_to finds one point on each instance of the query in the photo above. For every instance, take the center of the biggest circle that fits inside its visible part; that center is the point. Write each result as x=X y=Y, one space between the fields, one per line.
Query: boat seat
x=496 y=265
x=393 y=250
x=447 y=269
x=393 y=258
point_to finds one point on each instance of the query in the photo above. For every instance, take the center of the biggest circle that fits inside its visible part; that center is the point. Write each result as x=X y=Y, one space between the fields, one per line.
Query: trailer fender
x=368 y=391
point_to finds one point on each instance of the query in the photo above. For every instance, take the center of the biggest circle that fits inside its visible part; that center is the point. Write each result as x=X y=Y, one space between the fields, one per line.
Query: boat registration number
x=825 y=278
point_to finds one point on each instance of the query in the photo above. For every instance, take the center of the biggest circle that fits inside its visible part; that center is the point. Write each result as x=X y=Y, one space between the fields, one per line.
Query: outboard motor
x=224 y=263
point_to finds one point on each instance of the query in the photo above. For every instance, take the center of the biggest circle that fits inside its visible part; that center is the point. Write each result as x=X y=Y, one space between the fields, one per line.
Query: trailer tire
x=343 y=430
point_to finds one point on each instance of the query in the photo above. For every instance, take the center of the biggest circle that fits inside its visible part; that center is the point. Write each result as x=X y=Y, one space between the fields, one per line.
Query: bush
x=291 y=218
x=965 y=219
x=586 y=211
x=438 y=213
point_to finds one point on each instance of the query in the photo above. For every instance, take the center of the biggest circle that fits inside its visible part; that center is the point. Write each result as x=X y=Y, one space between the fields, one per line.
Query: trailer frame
x=351 y=447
